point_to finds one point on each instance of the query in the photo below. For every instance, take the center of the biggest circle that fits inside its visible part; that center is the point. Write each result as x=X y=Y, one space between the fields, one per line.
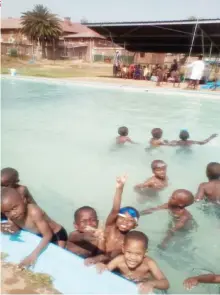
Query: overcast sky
x=119 y=10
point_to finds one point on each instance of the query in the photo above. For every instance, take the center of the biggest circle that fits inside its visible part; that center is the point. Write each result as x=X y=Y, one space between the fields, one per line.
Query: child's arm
x=159 y=280
x=120 y=182
x=9 y=227
x=77 y=237
x=77 y=250
x=146 y=184
x=44 y=229
x=180 y=224
x=150 y=210
x=115 y=263
x=206 y=279
x=200 y=195
x=206 y=140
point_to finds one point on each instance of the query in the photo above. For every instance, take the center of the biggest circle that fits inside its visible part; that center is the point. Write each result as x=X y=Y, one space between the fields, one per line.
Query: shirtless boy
x=136 y=266
x=176 y=205
x=159 y=179
x=10 y=178
x=156 y=139
x=22 y=215
x=211 y=189
x=86 y=240
x=123 y=136
x=118 y=224
x=184 y=141
x=205 y=279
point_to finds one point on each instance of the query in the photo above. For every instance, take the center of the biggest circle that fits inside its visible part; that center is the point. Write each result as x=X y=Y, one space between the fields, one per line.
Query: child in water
x=205 y=279
x=159 y=179
x=211 y=189
x=123 y=136
x=176 y=205
x=136 y=266
x=86 y=240
x=184 y=139
x=156 y=139
x=23 y=215
x=118 y=224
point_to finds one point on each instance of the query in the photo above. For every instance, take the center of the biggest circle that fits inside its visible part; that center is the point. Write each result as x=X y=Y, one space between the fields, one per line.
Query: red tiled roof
x=67 y=26
x=88 y=34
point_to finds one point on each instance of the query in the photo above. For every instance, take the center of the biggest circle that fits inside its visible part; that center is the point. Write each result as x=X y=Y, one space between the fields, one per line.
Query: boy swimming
x=159 y=179
x=123 y=136
x=86 y=240
x=156 y=139
x=22 y=215
x=135 y=265
x=10 y=178
x=176 y=205
x=210 y=190
x=205 y=279
x=119 y=222
x=184 y=139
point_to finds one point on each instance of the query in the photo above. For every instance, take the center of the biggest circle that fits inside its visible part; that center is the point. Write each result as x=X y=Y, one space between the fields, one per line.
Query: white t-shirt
x=198 y=67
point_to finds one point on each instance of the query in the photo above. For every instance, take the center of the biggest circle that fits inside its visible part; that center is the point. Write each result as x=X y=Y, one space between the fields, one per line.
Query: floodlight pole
x=210 y=51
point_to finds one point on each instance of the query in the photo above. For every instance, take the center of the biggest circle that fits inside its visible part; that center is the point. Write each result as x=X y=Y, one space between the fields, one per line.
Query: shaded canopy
x=164 y=36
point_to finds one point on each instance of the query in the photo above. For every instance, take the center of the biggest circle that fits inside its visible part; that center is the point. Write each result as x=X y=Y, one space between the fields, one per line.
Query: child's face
x=134 y=252
x=160 y=172
x=86 y=218
x=14 y=209
x=177 y=201
x=7 y=181
x=125 y=224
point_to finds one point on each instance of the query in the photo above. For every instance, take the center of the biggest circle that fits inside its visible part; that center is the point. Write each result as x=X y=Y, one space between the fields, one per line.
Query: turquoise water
x=61 y=140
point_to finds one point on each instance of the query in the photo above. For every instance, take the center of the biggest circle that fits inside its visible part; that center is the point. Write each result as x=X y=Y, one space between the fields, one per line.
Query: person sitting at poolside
x=124 y=72
x=119 y=222
x=123 y=136
x=87 y=240
x=156 y=139
x=135 y=265
x=210 y=190
x=23 y=215
x=176 y=205
x=184 y=141
x=205 y=279
x=159 y=179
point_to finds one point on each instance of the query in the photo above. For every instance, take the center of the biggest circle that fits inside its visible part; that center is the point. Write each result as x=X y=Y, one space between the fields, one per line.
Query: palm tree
x=40 y=25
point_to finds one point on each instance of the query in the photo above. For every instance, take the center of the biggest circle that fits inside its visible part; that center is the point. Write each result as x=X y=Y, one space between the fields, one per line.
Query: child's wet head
x=181 y=198
x=157 y=133
x=159 y=168
x=12 y=204
x=9 y=177
x=85 y=217
x=123 y=131
x=127 y=219
x=213 y=171
x=134 y=248
x=184 y=135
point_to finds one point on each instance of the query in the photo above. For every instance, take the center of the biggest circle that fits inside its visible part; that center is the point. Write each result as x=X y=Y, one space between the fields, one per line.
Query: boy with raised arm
x=118 y=224
x=185 y=141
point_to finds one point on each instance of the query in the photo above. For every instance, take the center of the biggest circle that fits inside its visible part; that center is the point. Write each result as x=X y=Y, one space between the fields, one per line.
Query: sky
x=118 y=10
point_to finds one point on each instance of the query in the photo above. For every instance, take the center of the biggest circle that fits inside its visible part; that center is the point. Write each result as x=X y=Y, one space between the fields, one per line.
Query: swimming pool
x=61 y=139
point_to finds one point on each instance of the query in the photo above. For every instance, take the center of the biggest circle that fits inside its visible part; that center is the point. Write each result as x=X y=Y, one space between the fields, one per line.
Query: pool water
x=61 y=140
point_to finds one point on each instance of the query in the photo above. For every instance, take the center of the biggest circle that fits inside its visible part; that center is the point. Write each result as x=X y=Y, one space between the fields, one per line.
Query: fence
x=109 y=59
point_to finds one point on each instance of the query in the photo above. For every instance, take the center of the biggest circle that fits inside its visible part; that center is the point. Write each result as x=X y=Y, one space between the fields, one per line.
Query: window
x=142 y=54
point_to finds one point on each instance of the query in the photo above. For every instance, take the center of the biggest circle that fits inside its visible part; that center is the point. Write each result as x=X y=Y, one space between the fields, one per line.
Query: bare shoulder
x=22 y=189
x=149 y=261
x=73 y=235
x=35 y=212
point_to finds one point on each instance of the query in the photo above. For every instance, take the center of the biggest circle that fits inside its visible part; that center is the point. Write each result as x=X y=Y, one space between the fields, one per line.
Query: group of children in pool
x=117 y=247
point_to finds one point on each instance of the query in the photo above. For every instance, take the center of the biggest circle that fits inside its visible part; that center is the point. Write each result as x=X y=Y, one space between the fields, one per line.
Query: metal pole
x=203 y=49
x=210 y=51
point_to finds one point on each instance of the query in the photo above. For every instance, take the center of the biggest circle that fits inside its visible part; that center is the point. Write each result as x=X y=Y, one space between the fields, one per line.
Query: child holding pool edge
x=135 y=265
x=22 y=215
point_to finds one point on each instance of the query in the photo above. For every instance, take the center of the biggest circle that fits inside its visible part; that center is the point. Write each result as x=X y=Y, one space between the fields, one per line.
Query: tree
x=84 y=20
x=41 y=25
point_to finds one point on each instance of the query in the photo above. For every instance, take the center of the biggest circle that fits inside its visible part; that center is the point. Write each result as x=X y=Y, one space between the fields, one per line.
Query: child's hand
x=190 y=283
x=98 y=233
x=28 y=261
x=120 y=181
x=89 y=261
x=8 y=228
x=100 y=267
x=213 y=135
x=146 y=288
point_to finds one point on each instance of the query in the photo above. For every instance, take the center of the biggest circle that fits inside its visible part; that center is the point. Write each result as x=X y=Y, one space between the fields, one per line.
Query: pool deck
x=126 y=85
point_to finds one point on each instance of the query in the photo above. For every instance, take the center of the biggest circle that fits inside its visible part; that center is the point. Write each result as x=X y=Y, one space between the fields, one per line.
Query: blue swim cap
x=184 y=129
x=131 y=211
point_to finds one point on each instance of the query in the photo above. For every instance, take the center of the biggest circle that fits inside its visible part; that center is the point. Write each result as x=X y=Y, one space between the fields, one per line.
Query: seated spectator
x=124 y=72
x=137 y=72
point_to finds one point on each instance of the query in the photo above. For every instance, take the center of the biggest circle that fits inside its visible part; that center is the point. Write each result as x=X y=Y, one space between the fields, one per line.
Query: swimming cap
x=184 y=129
x=131 y=211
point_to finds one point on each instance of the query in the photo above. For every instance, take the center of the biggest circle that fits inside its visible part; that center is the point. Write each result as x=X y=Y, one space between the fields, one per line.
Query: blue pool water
x=61 y=139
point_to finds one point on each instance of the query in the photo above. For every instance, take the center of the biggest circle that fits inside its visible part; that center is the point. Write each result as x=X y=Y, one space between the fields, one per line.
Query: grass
x=58 y=69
